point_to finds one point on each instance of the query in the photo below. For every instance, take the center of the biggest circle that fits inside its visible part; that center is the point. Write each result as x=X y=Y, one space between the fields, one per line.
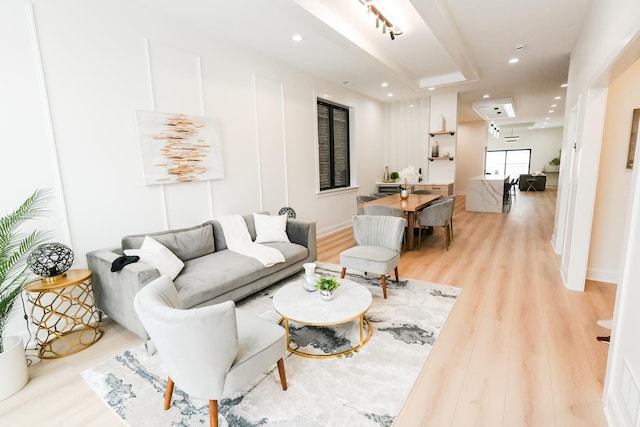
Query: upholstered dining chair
x=388 y=211
x=379 y=240
x=209 y=352
x=379 y=195
x=360 y=199
x=437 y=215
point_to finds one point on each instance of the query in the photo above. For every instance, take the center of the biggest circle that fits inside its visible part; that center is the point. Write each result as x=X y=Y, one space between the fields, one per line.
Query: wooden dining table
x=410 y=206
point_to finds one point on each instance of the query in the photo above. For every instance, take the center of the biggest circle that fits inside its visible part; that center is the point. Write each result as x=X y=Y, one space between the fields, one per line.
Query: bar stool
x=531 y=184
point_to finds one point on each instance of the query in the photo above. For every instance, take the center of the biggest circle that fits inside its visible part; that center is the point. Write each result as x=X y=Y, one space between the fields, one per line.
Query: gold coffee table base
x=363 y=339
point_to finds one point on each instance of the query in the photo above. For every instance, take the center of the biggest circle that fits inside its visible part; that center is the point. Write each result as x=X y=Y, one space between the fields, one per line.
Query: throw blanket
x=238 y=240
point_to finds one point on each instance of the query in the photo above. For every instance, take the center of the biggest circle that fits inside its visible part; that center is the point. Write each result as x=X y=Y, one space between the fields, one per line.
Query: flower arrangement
x=327 y=283
x=411 y=174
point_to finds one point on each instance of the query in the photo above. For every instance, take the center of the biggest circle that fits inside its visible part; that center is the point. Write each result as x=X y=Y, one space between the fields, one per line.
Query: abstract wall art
x=179 y=148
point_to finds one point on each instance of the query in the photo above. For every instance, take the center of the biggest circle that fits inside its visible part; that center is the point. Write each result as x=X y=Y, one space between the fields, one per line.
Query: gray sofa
x=211 y=272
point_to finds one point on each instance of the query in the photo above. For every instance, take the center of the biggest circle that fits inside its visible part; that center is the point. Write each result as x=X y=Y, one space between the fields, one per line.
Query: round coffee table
x=350 y=302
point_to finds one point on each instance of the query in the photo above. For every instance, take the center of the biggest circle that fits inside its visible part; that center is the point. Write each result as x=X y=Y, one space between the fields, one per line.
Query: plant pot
x=326 y=295
x=13 y=367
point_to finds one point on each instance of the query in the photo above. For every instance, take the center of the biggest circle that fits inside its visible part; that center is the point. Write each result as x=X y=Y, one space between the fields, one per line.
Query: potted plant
x=14 y=248
x=554 y=163
x=394 y=176
x=327 y=285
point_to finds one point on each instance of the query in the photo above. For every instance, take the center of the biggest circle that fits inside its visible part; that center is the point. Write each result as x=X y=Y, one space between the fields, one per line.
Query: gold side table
x=63 y=309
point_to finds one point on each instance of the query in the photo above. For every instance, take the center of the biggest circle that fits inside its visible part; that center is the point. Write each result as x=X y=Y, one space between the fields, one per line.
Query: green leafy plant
x=14 y=248
x=327 y=283
x=394 y=176
x=556 y=160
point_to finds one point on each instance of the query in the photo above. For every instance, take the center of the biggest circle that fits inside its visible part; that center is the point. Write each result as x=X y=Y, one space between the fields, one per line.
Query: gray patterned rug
x=365 y=388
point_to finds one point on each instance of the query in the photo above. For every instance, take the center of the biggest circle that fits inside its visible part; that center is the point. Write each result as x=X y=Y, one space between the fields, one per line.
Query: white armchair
x=212 y=351
x=379 y=240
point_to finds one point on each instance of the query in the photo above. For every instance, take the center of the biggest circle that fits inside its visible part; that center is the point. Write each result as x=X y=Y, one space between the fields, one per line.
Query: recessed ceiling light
x=551 y=111
x=384 y=84
x=547 y=118
x=564 y=85
x=558 y=97
x=554 y=105
x=410 y=105
x=390 y=94
x=514 y=60
x=486 y=95
x=431 y=88
x=296 y=38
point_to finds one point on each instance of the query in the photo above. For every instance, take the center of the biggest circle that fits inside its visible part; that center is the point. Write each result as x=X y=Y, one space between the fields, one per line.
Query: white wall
x=102 y=61
x=472 y=141
x=612 y=28
x=614 y=179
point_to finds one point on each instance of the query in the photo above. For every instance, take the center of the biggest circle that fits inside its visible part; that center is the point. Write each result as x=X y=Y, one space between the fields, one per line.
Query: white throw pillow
x=157 y=255
x=270 y=228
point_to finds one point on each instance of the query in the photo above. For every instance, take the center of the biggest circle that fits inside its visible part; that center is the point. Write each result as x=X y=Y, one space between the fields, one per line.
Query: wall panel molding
x=51 y=137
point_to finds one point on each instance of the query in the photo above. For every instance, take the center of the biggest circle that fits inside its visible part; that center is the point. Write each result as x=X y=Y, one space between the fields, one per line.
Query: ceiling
x=447 y=46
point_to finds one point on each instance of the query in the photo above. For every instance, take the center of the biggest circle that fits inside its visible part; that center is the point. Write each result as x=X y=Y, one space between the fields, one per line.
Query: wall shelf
x=431 y=159
x=443 y=132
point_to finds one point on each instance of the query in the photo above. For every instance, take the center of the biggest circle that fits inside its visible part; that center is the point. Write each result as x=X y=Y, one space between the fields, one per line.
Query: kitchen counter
x=484 y=193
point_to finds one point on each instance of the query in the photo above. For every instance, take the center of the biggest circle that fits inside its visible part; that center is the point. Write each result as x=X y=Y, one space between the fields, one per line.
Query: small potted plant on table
x=327 y=285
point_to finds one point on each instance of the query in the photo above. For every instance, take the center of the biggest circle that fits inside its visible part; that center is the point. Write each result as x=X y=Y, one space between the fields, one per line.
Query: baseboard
x=334 y=229
x=602 y=275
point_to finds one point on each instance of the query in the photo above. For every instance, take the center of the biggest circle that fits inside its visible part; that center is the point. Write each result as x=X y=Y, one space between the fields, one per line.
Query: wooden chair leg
x=396 y=271
x=213 y=413
x=168 y=393
x=447 y=236
x=384 y=286
x=283 y=375
x=344 y=271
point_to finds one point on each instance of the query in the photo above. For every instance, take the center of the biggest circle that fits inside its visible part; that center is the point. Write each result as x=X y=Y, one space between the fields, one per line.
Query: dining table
x=411 y=205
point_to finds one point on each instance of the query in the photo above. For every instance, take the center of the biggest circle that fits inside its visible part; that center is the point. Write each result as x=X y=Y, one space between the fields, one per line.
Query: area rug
x=365 y=388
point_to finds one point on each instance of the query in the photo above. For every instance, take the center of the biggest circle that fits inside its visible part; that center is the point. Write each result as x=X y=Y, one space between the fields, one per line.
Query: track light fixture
x=382 y=18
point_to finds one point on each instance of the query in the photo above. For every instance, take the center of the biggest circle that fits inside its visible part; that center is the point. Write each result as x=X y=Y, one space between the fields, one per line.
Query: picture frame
x=633 y=138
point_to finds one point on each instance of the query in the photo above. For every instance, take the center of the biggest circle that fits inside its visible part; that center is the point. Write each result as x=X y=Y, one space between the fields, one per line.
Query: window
x=333 y=146
x=508 y=162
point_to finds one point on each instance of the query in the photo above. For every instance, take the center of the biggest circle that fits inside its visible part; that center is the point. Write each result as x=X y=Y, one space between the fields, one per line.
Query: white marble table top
x=350 y=301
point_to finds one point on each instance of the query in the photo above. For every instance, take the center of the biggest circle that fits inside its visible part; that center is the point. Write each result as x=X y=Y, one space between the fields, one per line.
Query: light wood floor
x=517 y=350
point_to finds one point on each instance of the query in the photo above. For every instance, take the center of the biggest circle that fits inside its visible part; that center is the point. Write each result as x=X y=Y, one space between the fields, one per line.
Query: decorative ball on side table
x=50 y=260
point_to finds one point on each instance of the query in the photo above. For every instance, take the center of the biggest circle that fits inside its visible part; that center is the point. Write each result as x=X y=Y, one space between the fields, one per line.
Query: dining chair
x=360 y=199
x=209 y=352
x=379 y=241
x=388 y=211
x=423 y=192
x=379 y=195
x=506 y=196
x=437 y=215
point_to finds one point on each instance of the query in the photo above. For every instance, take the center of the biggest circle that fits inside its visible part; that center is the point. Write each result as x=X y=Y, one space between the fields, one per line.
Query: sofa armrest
x=114 y=291
x=303 y=233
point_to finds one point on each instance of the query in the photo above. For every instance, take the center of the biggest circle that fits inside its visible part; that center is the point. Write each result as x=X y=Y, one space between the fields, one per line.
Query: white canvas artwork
x=179 y=148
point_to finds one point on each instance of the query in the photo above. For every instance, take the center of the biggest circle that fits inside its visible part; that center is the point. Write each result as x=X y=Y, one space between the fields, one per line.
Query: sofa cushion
x=185 y=243
x=157 y=255
x=212 y=275
x=270 y=228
